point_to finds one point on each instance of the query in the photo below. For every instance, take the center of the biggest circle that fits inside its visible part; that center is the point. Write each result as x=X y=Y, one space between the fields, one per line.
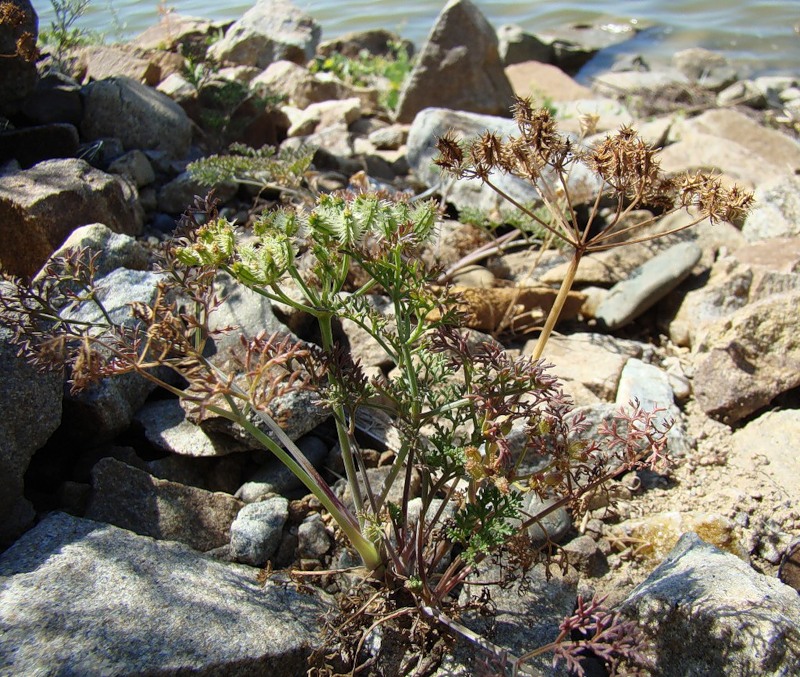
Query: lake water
x=760 y=36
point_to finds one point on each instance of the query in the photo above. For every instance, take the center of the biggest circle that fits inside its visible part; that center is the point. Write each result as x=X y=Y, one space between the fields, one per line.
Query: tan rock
x=543 y=81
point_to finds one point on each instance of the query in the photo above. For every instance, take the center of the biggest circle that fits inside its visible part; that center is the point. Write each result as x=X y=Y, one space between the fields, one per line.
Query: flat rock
x=647 y=285
x=618 y=84
x=458 y=67
x=98 y=62
x=135 y=500
x=41 y=206
x=748 y=358
x=543 y=81
x=140 y=117
x=271 y=30
x=82 y=598
x=707 y=612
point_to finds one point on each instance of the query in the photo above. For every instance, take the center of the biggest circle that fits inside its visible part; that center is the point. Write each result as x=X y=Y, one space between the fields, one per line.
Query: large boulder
x=458 y=67
x=776 y=212
x=707 y=612
x=19 y=29
x=82 y=598
x=140 y=117
x=30 y=410
x=41 y=206
x=272 y=30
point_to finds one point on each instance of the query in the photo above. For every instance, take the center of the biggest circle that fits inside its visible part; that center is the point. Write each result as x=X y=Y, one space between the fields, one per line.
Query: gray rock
x=553 y=526
x=432 y=123
x=57 y=98
x=651 y=387
x=177 y=33
x=297 y=85
x=166 y=427
x=103 y=410
x=517 y=46
x=257 y=530
x=776 y=212
x=647 y=285
x=708 y=69
x=458 y=67
x=135 y=500
x=51 y=199
x=275 y=478
x=99 y=62
x=137 y=115
x=113 y=250
x=82 y=598
x=314 y=541
x=134 y=165
x=748 y=358
x=708 y=613
x=271 y=30
x=741 y=93
x=637 y=82
x=30 y=411
x=177 y=195
x=378 y=42
x=584 y=554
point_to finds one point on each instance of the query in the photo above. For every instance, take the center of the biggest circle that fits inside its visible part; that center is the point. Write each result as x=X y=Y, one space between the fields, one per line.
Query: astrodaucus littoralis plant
x=627 y=171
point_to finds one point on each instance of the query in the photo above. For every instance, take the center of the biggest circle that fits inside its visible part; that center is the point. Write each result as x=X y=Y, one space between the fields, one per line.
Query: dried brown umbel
x=627 y=172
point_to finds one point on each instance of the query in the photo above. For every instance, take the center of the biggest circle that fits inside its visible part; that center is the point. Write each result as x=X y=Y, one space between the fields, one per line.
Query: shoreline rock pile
x=132 y=530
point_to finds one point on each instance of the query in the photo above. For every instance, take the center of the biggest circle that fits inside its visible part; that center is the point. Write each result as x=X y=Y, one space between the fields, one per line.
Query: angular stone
x=176 y=33
x=41 y=206
x=708 y=69
x=134 y=165
x=314 y=541
x=85 y=598
x=708 y=613
x=18 y=75
x=298 y=85
x=135 y=500
x=544 y=82
x=140 y=117
x=647 y=285
x=99 y=62
x=748 y=358
x=57 y=98
x=257 y=531
x=177 y=195
x=269 y=31
x=30 y=411
x=458 y=67
x=378 y=42
x=516 y=46
x=776 y=210
x=31 y=145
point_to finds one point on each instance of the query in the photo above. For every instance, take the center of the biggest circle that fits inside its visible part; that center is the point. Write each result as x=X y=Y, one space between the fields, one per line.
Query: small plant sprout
x=628 y=173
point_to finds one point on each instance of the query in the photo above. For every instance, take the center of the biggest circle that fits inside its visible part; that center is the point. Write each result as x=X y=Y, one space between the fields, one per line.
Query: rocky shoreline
x=135 y=533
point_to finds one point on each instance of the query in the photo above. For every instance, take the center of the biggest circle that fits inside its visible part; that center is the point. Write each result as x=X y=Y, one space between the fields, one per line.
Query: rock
x=651 y=388
x=776 y=211
x=544 y=82
x=297 y=85
x=389 y=138
x=574 y=45
x=135 y=500
x=553 y=526
x=103 y=410
x=765 y=443
x=360 y=343
x=31 y=145
x=318 y=116
x=516 y=46
x=314 y=541
x=458 y=67
x=583 y=554
x=647 y=285
x=165 y=426
x=275 y=478
x=732 y=142
x=30 y=411
x=741 y=93
x=271 y=30
x=710 y=70
x=179 y=194
x=57 y=98
x=90 y=599
x=377 y=42
x=606 y=115
x=113 y=250
x=176 y=33
x=139 y=116
x=620 y=84
x=98 y=62
x=50 y=200
x=135 y=166
x=594 y=377
x=256 y=533
x=18 y=33
x=748 y=358
x=709 y=613
x=432 y=123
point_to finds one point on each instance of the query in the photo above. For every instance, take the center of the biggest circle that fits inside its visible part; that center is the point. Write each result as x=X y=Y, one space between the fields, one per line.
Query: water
x=759 y=36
